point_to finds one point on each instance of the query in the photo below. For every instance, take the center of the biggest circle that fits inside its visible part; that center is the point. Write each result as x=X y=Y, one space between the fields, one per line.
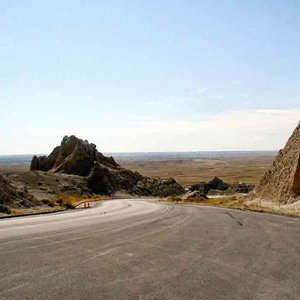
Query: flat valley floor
x=188 y=171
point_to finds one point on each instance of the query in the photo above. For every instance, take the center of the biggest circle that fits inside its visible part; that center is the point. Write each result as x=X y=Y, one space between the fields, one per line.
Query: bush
x=174 y=199
x=48 y=202
x=65 y=203
x=60 y=202
x=69 y=206
x=4 y=209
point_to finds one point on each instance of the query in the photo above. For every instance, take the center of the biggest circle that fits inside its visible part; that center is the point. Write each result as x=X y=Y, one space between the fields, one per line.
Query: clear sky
x=149 y=75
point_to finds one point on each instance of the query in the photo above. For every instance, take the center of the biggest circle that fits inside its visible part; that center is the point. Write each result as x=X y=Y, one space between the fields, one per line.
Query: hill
x=281 y=183
x=78 y=157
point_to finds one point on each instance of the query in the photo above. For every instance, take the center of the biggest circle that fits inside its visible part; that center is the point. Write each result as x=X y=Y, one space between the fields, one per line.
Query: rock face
x=157 y=186
x=215 y=184
x=106 y=180
x=73 y=156
x=11 y=197
x=104 y=175
x=202 y=187
x=281 y=183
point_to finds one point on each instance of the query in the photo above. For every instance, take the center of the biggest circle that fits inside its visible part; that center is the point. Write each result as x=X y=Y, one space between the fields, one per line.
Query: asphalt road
x=141 y=249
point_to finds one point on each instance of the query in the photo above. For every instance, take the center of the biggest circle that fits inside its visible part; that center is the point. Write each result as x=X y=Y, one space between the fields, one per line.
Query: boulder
x=281 y=183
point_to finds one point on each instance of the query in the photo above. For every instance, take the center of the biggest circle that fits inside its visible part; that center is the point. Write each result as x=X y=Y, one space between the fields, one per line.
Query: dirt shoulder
x=240 y=202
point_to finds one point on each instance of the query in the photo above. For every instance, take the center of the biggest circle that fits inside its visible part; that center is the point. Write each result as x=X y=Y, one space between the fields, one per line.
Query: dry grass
x=34 y=210
x=72 y=200
x=186 y=171
x=191 y=171
x=236 y=202
x=221 y=201
x=57 y=203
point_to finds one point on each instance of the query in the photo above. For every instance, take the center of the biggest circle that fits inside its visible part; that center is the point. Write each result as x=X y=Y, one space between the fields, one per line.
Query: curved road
x=142 y=249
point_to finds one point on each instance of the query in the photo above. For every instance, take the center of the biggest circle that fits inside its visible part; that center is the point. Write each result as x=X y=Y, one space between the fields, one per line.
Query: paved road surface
x=141 y=249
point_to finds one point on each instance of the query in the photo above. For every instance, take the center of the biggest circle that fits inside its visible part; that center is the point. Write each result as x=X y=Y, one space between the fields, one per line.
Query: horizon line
x=148 y=152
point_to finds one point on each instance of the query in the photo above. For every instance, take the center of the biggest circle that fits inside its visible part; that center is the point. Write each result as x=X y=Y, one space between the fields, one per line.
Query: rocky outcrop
x=215 y=184
x=101 y=180
x=218 y=185
x=73 y=156
x=242 y=188
x=104 y=175
x=281 y=183
x=12 y=197
x=202 y=187
x=106 y=180
x=160 y=187
x=195 y=195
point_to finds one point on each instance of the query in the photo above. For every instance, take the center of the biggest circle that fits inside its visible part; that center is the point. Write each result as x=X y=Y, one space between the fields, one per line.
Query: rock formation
x=202 y=187
x=217 y=184
x=195 y=195
x=73 y=156
x=104 y=175
x=281 y=183
x=157 y=187
x=11 y=197
x=242 y=187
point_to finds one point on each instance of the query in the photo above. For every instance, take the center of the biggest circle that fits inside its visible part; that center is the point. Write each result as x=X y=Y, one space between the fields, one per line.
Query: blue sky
x=149 y=75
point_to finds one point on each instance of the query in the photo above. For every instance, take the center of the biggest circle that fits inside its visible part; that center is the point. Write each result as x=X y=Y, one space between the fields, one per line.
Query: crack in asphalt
x=232 y=217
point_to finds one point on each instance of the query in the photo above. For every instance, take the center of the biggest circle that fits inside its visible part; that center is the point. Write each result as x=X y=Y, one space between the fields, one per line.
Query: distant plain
x=186 y=167
x=191 y=171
